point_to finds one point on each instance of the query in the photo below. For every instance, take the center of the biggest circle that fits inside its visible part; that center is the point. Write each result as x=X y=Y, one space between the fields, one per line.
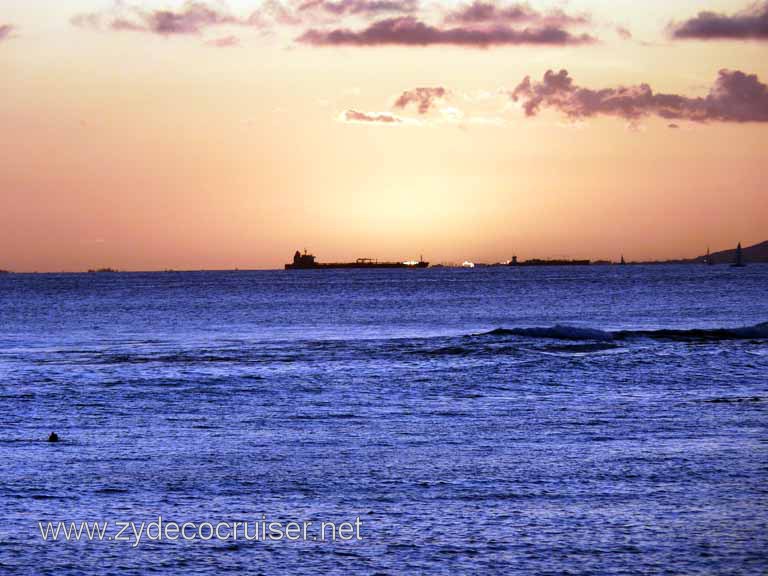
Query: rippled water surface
x=602 y=420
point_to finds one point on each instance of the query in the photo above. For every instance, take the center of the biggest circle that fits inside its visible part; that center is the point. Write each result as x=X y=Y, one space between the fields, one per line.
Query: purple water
x=627 y=435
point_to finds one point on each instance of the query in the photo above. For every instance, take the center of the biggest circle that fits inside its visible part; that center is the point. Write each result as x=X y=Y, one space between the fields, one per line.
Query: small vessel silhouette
x=739 y=259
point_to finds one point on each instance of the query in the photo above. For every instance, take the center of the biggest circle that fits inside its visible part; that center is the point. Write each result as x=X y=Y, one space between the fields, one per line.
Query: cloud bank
x=484 y=12
x=410 y=31
x=734 y=97
x=360 y=7
x=192 y=18
x=749 y=24
x=195 y=16
x=480 y=24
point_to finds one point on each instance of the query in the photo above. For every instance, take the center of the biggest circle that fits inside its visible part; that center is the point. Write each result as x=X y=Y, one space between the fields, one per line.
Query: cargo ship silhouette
x=307 y=262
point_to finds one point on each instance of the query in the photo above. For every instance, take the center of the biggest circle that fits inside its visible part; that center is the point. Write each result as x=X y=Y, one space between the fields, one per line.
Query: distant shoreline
x=436 y=268
x=752 y=255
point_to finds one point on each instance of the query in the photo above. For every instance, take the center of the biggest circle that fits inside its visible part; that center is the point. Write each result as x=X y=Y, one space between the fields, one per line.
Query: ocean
x=569 y=420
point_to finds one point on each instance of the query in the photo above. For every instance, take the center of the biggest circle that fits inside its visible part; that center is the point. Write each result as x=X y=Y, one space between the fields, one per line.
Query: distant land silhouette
x=758 y=253
x=755 y=254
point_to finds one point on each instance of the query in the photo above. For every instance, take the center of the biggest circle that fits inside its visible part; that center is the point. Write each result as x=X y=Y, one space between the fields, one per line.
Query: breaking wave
x=758 y=331
x=555 y=332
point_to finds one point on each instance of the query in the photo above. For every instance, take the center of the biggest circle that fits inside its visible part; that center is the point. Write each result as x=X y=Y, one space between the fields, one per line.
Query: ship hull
x=354 y=265
x=552 y=263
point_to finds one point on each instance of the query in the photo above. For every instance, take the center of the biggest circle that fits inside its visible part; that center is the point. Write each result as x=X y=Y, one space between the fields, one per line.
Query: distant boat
x=708 y=258
x=739 y=260
x=623 y=262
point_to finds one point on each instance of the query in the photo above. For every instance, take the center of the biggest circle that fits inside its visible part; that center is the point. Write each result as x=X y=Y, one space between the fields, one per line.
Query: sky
x=218 y=135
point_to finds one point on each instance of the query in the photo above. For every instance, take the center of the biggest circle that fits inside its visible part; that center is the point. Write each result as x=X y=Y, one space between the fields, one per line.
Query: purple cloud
x=5 y=31
x=368 y=117
x=424 y=98
x=734 y=97
x=409 y=31
x=749 y=24
x=193 y=18
x=360 y=7
x=491 y=12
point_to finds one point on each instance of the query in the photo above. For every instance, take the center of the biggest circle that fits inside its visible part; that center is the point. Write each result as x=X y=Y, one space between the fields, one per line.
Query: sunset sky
x=189 y=135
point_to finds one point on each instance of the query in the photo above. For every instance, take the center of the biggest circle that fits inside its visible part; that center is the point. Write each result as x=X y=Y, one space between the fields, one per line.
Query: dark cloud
x=734 y=97
x=360 y=7
x=750 y=24
x=192 y=18
x=409 y=31
x=367 y=117
x=490 y=12
x=424 y=98
x=478 y=12
x=5 y=31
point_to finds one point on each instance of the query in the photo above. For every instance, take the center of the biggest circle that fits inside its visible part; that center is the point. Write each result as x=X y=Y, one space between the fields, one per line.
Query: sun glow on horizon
x=155 y=148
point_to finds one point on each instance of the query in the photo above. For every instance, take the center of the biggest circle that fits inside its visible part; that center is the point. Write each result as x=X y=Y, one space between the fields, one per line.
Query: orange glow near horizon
x=143 y=152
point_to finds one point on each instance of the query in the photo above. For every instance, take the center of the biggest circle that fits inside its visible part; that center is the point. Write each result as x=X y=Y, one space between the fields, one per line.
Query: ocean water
x=601 y=420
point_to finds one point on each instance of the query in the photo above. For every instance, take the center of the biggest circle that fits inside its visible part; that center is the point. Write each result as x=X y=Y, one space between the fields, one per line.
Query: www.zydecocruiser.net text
x=262 y=530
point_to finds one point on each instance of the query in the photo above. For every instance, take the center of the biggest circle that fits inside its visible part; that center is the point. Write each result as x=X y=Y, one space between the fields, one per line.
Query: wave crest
x=558 y=332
